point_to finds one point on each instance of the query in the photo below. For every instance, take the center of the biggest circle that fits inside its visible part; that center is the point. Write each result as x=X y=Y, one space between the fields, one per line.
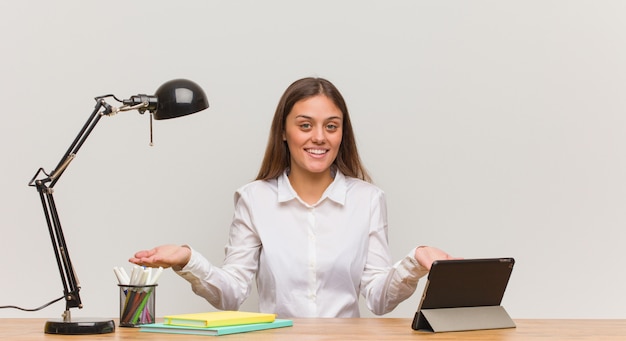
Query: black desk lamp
x=173 y=99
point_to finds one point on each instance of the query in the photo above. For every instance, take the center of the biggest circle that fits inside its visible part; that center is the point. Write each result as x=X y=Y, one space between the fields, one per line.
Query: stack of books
x=216 y=323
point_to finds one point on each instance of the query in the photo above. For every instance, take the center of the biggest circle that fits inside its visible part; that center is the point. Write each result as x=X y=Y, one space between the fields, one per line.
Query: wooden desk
x=349 y=329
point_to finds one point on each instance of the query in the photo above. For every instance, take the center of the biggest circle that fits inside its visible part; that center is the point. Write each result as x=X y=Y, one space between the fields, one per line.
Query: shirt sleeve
x=384 y=285
x=228 y=286
x=402 y=280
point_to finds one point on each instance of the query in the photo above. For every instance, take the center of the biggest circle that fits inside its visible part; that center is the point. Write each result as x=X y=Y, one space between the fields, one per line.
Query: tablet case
x=465 y=295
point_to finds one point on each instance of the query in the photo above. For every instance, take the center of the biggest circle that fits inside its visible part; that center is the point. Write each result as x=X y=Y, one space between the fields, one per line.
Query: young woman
x=311 y=229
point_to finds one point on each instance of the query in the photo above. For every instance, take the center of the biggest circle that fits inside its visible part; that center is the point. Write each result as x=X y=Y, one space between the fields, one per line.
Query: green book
x=242 y=328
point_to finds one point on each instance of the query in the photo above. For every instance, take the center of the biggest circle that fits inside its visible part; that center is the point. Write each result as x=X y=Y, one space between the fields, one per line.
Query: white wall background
x=496 y=128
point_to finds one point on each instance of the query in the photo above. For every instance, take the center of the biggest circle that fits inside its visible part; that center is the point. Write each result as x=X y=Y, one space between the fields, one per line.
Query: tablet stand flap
x=465 y=318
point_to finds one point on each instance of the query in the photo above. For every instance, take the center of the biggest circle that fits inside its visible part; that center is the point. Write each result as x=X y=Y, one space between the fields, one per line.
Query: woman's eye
x=305 y=126
x=331 y=127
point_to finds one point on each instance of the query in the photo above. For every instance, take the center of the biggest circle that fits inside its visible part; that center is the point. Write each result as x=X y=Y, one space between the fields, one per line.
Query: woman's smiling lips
x=317 y=152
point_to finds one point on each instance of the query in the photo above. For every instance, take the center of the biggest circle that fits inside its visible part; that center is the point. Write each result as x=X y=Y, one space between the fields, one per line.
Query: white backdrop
x=496 y=128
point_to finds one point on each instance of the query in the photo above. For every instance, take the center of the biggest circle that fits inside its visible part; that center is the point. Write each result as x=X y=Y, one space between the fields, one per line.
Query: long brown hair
x=277 y=157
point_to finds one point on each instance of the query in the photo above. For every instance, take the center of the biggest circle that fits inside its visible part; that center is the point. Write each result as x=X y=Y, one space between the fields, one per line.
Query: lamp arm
x=73 y=149
x=71 y=285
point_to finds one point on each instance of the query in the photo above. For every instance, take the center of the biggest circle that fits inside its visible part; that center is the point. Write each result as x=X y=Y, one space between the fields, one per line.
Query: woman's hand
x=166 y=256
x=426 y=255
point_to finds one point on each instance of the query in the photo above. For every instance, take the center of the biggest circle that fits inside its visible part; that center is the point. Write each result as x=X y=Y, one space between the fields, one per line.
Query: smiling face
x=313 y=131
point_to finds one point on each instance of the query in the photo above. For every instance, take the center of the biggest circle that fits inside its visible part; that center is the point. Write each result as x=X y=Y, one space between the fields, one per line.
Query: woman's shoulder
x=257 y=185
x=257 y=190
x=362 y=186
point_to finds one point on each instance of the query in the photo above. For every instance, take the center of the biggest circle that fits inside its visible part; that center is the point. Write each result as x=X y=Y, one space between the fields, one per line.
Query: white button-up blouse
x=309 y=260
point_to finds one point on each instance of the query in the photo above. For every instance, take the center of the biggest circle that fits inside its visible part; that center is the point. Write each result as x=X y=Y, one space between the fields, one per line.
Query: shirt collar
x=335 y=192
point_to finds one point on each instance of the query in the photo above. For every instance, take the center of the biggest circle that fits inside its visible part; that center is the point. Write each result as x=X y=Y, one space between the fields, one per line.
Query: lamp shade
x=179 y=97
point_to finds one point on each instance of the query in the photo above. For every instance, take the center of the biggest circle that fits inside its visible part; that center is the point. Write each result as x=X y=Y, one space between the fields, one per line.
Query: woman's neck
x=310 y=186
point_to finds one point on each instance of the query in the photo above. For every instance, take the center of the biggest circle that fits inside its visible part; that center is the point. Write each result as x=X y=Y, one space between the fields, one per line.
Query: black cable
x=35 y=309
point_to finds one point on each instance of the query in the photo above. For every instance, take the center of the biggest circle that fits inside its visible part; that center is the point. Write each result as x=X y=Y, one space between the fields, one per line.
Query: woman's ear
x=284 y=136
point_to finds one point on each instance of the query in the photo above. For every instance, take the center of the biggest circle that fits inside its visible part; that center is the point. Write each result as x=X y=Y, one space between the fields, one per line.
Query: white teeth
x=317 y=151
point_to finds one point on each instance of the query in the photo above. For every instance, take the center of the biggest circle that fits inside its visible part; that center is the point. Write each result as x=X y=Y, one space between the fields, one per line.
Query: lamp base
x=79 y=327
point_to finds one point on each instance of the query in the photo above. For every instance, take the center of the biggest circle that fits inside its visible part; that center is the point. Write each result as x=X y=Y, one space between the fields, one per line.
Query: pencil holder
x=137 y=304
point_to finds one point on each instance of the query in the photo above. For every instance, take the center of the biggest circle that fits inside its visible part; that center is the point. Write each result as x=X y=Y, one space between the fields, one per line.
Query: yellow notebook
x=218 y=318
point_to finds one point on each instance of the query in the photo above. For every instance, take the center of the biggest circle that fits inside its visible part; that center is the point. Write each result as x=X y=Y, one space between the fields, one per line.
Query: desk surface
x=349 y=329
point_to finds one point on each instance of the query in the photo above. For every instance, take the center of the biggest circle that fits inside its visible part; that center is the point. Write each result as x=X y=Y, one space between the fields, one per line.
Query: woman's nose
x=319 y=136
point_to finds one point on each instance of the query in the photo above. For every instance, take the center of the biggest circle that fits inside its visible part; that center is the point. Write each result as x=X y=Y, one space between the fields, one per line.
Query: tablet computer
x=464 y=283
